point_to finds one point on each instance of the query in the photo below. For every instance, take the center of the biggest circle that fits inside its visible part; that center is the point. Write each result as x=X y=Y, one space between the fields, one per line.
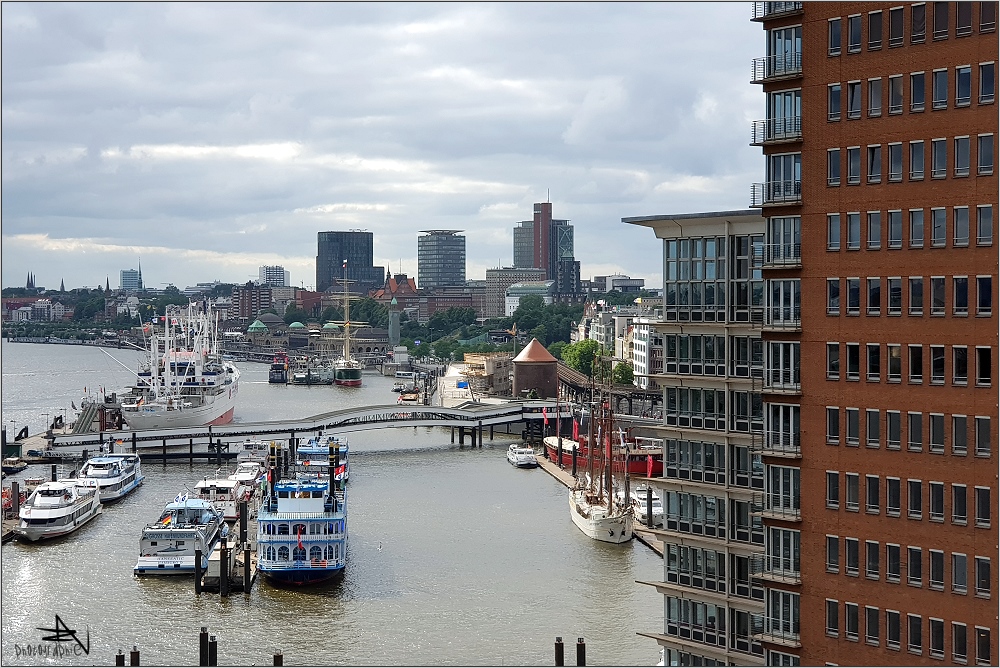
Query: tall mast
x=347 y=318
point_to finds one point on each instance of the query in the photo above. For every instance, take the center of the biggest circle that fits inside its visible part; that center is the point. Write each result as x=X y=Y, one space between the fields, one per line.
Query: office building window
x=916 y=228
x=987 y=82
x=895 y=95
x=853 y=296
x=874 y=306
x=983 y=446
x=983 y=647
x=895 y=304
x=832 y=425
x=983 y=508
x=940 y=20
x=935 y=569
x=892 y=629
x=984 y=295
x=895 y=162
x=875 y=97
x=959 y=434
x=918 y=23
x=871 y=625
x=872 y=504
x=917 y=92
x=936 y=633
x=832 y=553
x=987 y=16
x=894 y=370
x=914 y=498
x=939 y=89
x=959 y=505
x=854 y=99
x=833 y=102
x=914 y=566
x=874 y=359
x=854 y=165
x=984 y=155
x=983 y=576
x=833 y=231
x=916 y=359
x=915 y=431
x=961 y=156
x=936 y=502
x=851 y=556
x=833 y=167
x=939 y=158
x=960 y=226
x=832 y=489
x=959 y=573
x=895 y=27
x=892 y=563
x=833 y=361
x=935 y=426
x=834 y=42
x=892 y=496
x=874 y=164
x=892 y=430
x=854 y=33
x=963 y=86
x=874 y=230
x=895 y=229
x=960 y=296
x=937 y=298
x=852 y=437
x=832 y=618
x=916 y=295
x=984 y=368
x=833 y=296
x=959 y=642
x=938 y=227
x=914 y=626
x=916 y=160
x=853 y=231
x=851 y=621
x=984 y=225
x=963 y=19
x=875 y=30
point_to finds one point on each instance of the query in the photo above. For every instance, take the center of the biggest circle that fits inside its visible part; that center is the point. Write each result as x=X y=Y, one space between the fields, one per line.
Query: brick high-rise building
x=878 y=396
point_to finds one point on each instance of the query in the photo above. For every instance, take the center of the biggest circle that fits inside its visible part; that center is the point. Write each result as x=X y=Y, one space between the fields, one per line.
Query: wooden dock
x=641 y=533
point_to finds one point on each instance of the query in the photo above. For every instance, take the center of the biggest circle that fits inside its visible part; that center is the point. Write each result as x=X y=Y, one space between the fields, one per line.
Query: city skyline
x=233 y=152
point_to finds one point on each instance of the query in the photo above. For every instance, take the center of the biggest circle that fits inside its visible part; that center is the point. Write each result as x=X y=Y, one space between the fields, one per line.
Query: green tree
x=580 y=355
x=556 y=348
x=295 y=314
x=529 y=312
x=332 y=314
x=623 y=374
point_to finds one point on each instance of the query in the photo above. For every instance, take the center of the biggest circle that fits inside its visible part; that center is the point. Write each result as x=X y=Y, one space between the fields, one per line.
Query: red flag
x=545 y=415
x=576 y=430
x=298 y=534
x=649 y=466
x=341 y=469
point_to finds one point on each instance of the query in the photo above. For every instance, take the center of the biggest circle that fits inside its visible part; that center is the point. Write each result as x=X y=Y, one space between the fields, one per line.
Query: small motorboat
x=640 y=506
x=12 y=465
x=521 y=456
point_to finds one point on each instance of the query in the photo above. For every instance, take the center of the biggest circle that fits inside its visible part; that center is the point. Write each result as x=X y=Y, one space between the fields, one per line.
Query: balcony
x=776 y=507
x=783 y=318
x=776 y=130
x=772 y=193
x=775 y=568
x=778 y=444
x=782 y=380
x=779 y=256
x=775 y=631
x=770 y=10
x=777 y=67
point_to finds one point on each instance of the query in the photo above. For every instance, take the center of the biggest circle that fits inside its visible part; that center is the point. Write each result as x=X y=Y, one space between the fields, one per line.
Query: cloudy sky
x=208 y=139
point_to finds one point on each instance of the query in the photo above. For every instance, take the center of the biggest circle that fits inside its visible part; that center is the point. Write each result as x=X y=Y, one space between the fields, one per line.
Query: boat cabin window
x=52 y=492
x=299 y=529
x=315 y=552
x=283 y=531
x=283 y=553
x=299 y=554
x=329 y=552
x=282 y=495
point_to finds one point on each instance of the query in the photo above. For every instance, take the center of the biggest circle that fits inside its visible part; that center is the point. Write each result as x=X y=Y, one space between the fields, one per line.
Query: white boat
x=225 y=494
x=252 y=450
x=248 y=473
x=56 y=509
x=314 y=457
x=184 y=382
x=167 y=546
x=600 y=504
x=113 y=475
x=521 y=456
x=639 y=506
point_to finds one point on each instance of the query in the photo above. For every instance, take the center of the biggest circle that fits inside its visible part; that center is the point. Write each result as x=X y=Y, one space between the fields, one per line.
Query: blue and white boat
x=114 y=476
x=168 y=545
x=302 y=530
x=316 y=453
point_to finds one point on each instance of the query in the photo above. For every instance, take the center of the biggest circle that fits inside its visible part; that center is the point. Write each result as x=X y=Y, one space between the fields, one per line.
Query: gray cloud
x=210 y=138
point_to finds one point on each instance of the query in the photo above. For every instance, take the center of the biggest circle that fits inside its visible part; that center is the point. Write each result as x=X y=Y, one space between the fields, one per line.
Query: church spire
x=107 y=284
x=62 y=285
x=140 y=275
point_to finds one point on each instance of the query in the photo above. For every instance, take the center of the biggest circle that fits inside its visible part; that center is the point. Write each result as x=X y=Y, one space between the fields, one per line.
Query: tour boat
x=168 y=545
x=247 y=473
x=225 y=494
x=13 y=465
x=184 y=382
x=302 y=530
x=56 y=509
x=521 y=456
x=252 y=450
x=314 y=456
x=640 y=506
x=113 y=475
x=278 y=373
x=600 y=503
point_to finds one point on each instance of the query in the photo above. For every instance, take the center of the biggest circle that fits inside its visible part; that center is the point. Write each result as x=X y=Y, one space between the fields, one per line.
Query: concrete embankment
x=647 y=538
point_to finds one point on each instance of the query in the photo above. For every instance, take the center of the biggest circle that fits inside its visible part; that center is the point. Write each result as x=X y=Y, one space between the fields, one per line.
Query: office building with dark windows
x=440 y=259
x=356 y=247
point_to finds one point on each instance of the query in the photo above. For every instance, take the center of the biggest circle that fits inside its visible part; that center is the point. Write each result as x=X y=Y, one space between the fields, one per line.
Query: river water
x=455 y=557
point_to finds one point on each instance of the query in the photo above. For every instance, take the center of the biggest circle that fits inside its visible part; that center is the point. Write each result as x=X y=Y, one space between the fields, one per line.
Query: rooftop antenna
x=547 y=196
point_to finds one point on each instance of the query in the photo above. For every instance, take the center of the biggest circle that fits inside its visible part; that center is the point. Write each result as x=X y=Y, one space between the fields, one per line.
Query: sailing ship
x=185 y=382
x=347 y=370
x=599 y=502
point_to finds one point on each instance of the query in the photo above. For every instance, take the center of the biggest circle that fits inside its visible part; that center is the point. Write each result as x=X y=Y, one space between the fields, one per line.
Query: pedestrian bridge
x=468 y=417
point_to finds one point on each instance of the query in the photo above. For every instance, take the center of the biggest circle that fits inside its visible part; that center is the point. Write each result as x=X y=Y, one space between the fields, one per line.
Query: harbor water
x=455 y=557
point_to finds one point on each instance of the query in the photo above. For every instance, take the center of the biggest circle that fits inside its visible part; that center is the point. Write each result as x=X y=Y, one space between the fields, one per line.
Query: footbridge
x=469 y=418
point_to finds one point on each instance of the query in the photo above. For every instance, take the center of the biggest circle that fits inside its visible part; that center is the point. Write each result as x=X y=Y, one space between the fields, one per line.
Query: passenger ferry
x=56 y=509
x=316 y=453
x=113 y=475
x=302 y=530
x=168 y=545
x=225 y=494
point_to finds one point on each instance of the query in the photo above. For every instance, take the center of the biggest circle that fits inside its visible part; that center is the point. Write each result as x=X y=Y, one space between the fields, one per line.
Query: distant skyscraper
x=131 y=280
x=524 y=244
x=440 y=259
x=275 y=275
x=357 y=248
